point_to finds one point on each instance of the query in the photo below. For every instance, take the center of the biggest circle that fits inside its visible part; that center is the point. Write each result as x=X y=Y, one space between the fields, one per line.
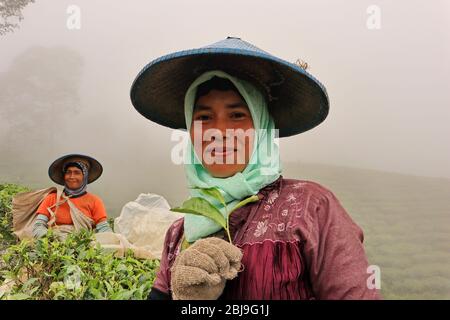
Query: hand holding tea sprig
x=201 y=271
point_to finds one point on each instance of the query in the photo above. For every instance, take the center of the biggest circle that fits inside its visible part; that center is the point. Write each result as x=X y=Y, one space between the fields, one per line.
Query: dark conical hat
x=55 y=171
x=297 y=101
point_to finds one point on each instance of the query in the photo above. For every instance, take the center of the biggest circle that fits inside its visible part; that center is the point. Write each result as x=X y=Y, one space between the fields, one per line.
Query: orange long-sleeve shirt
x=90 y=204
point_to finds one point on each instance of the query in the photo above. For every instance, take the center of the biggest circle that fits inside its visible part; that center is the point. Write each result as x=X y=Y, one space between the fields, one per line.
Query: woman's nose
x=222 y=126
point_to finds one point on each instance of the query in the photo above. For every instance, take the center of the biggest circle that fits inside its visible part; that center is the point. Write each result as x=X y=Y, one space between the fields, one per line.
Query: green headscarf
x=263 y=168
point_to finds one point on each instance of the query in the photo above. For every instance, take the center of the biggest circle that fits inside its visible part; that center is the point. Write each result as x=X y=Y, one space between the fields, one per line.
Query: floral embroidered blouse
x=298 y=243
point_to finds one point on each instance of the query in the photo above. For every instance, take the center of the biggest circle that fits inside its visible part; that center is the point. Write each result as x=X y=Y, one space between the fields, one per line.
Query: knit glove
x=40 y=226
x=103 y=227
x=200 y=272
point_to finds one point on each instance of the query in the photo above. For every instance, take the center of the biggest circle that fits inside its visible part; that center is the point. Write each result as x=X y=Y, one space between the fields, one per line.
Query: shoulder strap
x=79 y=219
x=56 y=205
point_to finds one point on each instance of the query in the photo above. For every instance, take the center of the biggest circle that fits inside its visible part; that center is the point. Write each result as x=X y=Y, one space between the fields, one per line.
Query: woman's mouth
x=222 y=152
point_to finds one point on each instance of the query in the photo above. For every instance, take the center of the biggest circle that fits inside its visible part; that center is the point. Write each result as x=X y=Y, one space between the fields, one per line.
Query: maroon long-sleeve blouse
x=298 y=243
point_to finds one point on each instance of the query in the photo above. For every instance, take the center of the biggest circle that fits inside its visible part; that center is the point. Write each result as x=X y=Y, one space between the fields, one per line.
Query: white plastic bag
x=144 y=222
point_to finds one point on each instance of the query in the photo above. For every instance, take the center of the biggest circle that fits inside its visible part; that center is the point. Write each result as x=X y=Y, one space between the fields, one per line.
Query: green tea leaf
x=19 y=296
x=202 y=207
x=250 y=199
x=185 y=244
x=123 y=295
x=214 y=193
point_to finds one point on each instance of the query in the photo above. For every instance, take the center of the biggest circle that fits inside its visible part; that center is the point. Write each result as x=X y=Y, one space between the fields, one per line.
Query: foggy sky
x=389 y=89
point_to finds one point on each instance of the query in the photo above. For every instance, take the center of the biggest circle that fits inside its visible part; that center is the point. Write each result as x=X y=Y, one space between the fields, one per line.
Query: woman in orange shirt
x=74 y=172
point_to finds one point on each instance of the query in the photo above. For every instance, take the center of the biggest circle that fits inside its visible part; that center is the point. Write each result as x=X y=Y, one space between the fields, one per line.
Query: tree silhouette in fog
x=11 y=13
x=39 y=95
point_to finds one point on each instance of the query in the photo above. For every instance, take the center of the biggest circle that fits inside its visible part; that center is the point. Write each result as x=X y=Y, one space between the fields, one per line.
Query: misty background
x=383 y=150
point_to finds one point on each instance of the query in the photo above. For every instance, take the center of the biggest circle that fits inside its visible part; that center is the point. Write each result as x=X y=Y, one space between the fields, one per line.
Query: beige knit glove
x=200 y=272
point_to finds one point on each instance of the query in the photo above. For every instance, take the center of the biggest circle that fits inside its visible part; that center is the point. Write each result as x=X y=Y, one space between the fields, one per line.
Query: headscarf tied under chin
x=263 y=168
x=82 y=189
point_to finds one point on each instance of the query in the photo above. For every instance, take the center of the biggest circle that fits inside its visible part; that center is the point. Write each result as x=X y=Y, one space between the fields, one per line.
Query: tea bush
x=7 y=191
x=74 y=268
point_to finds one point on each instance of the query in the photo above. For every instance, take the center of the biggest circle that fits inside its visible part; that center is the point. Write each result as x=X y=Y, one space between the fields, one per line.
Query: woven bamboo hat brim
x=55 y=171
x=297 y=101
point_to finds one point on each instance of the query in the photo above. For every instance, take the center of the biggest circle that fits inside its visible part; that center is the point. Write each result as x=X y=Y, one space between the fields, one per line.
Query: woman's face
x=218 y=142
x=73 y=178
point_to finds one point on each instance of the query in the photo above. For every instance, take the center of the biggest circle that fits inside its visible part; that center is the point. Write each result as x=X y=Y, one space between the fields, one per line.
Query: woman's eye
x=202 y=117
x=68 y=173
x=238 y=115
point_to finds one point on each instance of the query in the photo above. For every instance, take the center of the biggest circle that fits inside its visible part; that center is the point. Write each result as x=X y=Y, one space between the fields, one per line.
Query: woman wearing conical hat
x=296 y=241
x=75 y=208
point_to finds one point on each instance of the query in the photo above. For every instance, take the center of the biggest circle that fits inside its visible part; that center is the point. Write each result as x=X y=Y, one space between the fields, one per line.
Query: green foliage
x=11 y=9
x=73 y=269
x=245 y=201
x=202 y=207
x=7 y=191
x=214 y=193
x=407 y=238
